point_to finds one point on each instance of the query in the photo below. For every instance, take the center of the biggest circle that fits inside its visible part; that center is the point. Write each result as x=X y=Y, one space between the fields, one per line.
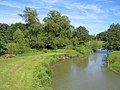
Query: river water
x=87 y=74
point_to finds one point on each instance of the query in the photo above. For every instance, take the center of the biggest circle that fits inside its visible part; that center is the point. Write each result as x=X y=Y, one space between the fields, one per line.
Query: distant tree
x=3 y=37
x=102 y=36
x=19 y=44
x=111 y=37
x=30 y=15
x=82 y=34
x=55 y=32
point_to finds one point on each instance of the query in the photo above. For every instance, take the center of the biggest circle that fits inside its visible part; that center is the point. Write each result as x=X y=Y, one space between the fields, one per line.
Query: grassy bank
x=114 y=61
x=30 y=71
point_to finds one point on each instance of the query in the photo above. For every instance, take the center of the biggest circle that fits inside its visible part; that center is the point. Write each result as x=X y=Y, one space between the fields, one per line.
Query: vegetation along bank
x=34 y=45
x=31 y=71
x=111 y=39
x=113 y=60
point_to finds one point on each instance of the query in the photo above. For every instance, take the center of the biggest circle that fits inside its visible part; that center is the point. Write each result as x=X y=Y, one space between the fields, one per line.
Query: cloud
x=50 y=1
x=93 y=15
x=117 y=14
x=10 y=20
x=44 y=2
x=84 y=7
x=18 y=5
x=106 y=1
x=81 y=17
x=10 y=4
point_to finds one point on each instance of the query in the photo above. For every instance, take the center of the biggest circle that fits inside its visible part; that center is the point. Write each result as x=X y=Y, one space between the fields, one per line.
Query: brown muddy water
x=87 y=74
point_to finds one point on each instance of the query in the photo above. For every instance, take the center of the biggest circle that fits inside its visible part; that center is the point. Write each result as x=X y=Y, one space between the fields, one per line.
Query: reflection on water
x=87 y=74
x=81 y=63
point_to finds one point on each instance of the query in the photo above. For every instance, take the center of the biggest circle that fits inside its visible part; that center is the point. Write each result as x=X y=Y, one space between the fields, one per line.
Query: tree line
x=55 y=32
x=111 y=37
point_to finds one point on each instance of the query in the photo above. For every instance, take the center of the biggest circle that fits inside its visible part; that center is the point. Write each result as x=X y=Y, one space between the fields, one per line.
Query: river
x=87 y=74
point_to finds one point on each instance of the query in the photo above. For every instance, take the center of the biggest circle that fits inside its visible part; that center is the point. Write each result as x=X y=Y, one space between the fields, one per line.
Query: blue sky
x=95 y=15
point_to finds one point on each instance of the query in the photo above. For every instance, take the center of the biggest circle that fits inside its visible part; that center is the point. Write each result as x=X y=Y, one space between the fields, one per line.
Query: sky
x=95 y=15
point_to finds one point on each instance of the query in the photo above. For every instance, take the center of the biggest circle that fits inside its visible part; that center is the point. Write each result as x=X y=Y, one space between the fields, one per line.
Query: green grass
x=114 y=61
x=30 y=71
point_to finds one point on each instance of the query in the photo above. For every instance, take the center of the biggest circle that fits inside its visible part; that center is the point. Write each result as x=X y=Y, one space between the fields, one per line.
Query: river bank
x=113 y=61
x=44 y=72
x=87 y=74
x=30 y=71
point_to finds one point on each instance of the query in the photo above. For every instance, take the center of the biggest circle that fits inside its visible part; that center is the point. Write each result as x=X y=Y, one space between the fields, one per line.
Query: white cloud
x=18 y=5
x=10 y=4
x=84 y=7
x=45 y=1
x=105 y=1
x=92 y=16
x=81 y=17
x=50 y=1
x=10 y=20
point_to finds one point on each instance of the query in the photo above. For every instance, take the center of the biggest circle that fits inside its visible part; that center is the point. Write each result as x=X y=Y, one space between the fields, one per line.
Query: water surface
x=87 y=74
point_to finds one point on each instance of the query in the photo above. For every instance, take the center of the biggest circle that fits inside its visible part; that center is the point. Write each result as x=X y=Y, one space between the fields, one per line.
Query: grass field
x=29 y=71
x=114 y=61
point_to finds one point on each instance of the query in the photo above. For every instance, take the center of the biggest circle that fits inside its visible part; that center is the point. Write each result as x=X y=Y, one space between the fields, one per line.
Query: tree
x=36 y=32
x=3 y=37
x=55 y=32
x=111 y=37
x=19 y=44
x=82 y=34
x=58 y=30
x=102 y=36
x=30 y=15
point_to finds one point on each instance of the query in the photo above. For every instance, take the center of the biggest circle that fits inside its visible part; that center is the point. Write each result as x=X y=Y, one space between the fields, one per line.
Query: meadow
x=30 y=71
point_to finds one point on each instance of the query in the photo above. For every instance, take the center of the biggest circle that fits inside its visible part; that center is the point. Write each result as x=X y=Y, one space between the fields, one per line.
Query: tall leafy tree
x=113 y=37
x=58 y=30
x=102 y=36
x=30 y=15
x=82 y=34
x=36 y=35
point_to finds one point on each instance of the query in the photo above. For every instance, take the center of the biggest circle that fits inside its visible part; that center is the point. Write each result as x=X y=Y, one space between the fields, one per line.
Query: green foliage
x=3 y=37
x=102 y=36
x=82 y=34
x=19 y=45
x=95 y=44
x=83 y=49
x=45 y=50
x=36 y=35
x=111 y=37
x=56 y=32
x=29 y=15
x=43 y=71
x=58 y=29
x=113 y=60
x=12 y=48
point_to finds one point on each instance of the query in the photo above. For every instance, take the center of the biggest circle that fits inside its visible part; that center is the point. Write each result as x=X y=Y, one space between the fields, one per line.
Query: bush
x=45 y=50
x=15 y=48
x=12 y=48
x=95 y=44
x=114 y=61
x=83 y=49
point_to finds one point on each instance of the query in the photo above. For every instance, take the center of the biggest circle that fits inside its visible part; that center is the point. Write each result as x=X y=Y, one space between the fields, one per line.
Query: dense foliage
x=111 y=37
x=55 y=32
x=114 y=61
